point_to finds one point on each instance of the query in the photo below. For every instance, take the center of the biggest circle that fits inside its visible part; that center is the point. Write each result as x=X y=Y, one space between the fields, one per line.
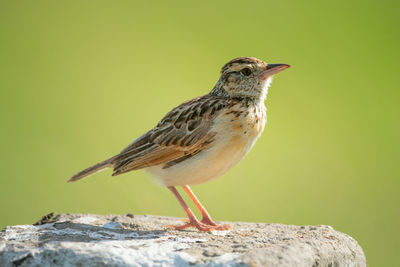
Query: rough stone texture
x=140 y=240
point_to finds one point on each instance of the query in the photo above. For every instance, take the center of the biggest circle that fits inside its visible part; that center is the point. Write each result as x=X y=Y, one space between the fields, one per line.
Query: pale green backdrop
x=80 y=80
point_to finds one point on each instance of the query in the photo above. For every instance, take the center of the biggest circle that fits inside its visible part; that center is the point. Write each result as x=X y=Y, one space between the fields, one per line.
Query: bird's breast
x=242 y=126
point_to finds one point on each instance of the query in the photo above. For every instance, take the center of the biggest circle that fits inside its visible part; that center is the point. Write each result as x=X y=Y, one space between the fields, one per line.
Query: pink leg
x=192 y=219
x=206 y=217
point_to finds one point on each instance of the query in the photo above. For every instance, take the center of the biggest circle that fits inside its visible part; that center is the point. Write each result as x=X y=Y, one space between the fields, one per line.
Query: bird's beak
x=273 y=69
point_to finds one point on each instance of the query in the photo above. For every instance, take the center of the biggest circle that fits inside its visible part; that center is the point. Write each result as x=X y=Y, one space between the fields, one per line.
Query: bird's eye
x=246 y=71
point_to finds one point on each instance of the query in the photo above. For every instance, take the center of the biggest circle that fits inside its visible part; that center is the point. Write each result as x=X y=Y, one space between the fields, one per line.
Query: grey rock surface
x=141 y=240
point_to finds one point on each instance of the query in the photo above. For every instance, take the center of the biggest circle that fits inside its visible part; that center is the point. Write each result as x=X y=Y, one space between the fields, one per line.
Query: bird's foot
x=205 y=225
x=200 y=226
x=218 y=227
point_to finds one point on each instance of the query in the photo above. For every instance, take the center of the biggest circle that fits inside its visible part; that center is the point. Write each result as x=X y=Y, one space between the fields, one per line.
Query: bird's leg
x=206 y=217
x=193 y=222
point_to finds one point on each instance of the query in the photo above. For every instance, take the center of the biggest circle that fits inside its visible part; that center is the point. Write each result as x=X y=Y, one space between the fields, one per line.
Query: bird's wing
x=183 y=132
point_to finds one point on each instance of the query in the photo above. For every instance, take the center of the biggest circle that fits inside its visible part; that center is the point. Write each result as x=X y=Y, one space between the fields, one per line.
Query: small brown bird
x=202 y=138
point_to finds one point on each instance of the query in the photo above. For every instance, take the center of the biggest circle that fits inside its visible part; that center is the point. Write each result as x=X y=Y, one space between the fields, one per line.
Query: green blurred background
x=80 y=80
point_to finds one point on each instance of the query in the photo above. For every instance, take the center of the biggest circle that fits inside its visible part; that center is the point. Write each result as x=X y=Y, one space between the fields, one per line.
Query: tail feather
x=92 y=170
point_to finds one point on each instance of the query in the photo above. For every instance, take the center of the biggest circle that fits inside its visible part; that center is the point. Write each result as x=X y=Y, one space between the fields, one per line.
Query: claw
x=200 y=226
x=218 y=227
x=204 y=226
x=221 y=227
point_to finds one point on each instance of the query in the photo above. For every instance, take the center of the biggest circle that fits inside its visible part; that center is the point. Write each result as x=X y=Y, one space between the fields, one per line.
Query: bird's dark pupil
x=246 y=71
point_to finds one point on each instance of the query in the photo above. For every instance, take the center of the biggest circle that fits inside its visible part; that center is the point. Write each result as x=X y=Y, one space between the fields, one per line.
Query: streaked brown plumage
x=204 y=137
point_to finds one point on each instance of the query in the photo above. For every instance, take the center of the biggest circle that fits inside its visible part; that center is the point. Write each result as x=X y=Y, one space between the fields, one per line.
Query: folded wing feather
x=183 y=131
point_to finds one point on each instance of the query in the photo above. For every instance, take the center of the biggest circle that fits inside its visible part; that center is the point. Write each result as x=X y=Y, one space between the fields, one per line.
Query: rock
x=141 y=240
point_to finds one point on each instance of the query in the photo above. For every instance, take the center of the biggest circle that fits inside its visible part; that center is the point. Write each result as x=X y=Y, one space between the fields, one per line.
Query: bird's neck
x=219 y=91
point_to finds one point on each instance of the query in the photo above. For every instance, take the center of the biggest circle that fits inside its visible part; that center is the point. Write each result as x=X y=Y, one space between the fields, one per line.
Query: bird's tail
x=92 y=170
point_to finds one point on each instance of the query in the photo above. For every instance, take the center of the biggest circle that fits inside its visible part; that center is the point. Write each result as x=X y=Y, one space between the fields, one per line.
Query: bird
x=202 y=138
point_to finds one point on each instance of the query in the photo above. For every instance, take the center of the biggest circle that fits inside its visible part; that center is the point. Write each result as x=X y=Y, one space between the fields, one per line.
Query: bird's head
x=247 y=77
